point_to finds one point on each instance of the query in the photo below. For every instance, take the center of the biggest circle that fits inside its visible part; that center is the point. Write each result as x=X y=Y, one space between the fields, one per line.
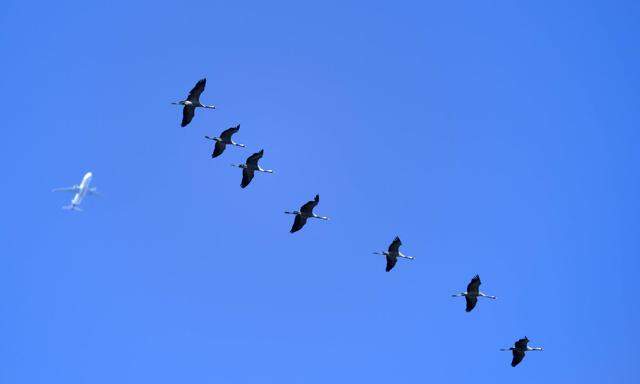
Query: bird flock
x=392 y=253
x=306 y=211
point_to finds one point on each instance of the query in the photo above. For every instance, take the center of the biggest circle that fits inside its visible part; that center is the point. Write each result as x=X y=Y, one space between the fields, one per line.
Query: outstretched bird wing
x=395 y=245
x=218 y=149
x=474 y=285
x=226 y=135
x=307 y=208
x=194 y=94
x=518 y=355
x=253 y=159
x=391 y=262
x=247 y=176
x=471 y=303
x=298 y=223
x=187 y=115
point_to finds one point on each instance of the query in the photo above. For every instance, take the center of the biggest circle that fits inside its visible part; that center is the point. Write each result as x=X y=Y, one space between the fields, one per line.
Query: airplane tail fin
x=72 y=207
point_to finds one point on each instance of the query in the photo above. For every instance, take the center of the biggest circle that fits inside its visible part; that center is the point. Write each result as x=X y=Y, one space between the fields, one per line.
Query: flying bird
x=519 y=349
x=305 y=212
x=393 y=253
x=224 y=140
x=472 y=293
x=249 y=168
x=192 y=102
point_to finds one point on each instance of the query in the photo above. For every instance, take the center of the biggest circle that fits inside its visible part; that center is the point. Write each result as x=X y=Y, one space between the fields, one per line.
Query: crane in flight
x=305 y=212
x=224 y=140
x=80 y=191
x=393 y=253
x=520 y=347
x=250 y=167
x=472 y=293
x=192 y=102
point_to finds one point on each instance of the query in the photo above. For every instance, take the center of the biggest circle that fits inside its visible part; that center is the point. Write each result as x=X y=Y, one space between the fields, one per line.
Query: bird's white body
x=80 y=191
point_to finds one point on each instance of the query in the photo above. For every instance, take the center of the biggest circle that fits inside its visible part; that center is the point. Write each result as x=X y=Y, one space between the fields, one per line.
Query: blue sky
x=495 y=138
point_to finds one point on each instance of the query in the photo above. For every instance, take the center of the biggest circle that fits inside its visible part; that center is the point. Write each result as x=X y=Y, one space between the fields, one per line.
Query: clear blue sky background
x=495 y=137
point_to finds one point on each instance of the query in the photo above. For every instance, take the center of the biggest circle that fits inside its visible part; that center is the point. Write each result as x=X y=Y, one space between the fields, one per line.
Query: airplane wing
x=75 y=188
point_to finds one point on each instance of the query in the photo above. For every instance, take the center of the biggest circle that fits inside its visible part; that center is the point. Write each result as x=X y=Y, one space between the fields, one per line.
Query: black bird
x=223 y=140
x=393 y=253
x=519 y=349
x=472 y=293
x=305 y=212
x=192 y=102
x=249 y=168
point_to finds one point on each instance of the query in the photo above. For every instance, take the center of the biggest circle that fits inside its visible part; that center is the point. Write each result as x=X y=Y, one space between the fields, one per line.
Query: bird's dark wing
x=194 y=94
x=226 y=135
x=522 y=344
x=474 y=285
x=218 y=149
x=391 y=261
x=187 y=115
x=471 y=302
x=308 y=206
x=395 y=245
x=253 y=159
x=247 y=175
x=517 y=357
x=298 y=223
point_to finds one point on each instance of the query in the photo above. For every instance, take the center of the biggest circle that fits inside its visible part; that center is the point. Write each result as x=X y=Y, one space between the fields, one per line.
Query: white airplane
x=80 y=192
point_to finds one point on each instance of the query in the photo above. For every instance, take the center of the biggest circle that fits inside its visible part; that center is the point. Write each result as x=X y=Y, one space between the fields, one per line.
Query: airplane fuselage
x=83 y=189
